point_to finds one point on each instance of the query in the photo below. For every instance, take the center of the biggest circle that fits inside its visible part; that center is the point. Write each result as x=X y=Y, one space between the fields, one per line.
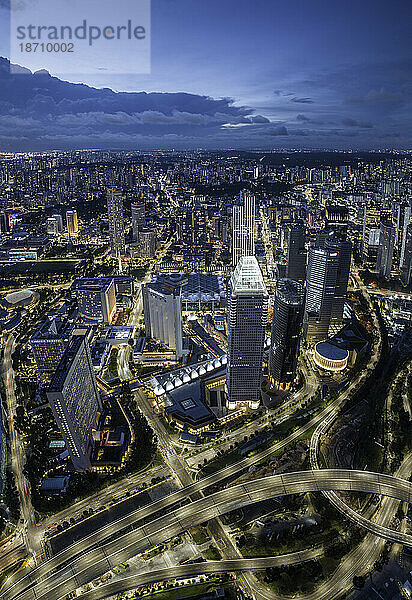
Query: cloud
x=374 y=97
x=301 y=117
x=348 y=122
x=302 y=100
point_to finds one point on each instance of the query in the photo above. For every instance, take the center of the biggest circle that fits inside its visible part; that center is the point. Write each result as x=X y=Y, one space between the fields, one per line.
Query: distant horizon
x=306 y=74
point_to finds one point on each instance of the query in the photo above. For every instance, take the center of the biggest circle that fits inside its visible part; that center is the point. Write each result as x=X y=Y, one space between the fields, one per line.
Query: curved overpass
x=40 y=583
x=203 y=568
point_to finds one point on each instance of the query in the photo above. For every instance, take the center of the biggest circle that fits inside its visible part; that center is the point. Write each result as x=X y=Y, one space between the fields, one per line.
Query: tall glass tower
x=286 y=332
x=296 y=253
x=243 y=227
x=116 y=222
x=247 y=317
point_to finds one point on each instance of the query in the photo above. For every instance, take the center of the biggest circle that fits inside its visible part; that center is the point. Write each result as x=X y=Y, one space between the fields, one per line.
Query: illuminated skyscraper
x=247 y=317
x=75 y=400
x=344 y=249
x=384 y=258
x=406 y=269
x=296 y=252
x=321 y=278
x=286 y=332
x=243 y=227
x=71 y=221
x=116 y=222
x=162 y=306
x=48 y=344
x=138 y=218
x=96 y=298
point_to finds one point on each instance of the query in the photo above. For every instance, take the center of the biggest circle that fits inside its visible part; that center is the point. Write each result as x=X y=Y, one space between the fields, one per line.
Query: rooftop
x=247 y=277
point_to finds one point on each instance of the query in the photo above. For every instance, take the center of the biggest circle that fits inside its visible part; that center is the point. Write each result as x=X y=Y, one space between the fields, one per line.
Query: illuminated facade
x=286 y=332
x=96 y=298
x=75 y=401
x=162 y=305
x=116 y=222
x=48 y=344
x=247 y=316
x=243 y=227
x=71 y=222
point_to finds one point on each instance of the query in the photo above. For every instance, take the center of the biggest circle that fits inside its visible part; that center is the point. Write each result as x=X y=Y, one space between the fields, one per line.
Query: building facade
x=247 y=318
x=243 y=227
x=96 y=298
x=48 y=344
x=138 y=217
x=116 y=222
x=321 y=277
x=71 y=223
x=75 y=400
x=296 y=252
x=387 y=238
x=162 y=306
x=286 y=332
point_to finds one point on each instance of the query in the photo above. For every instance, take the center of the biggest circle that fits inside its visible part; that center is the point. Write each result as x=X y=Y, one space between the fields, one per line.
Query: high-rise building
x=48 y=344
x=385 y=251
x=71 y=222
x=247 y=317
x=296 y=252
x=146 y=243
x=59 y=222
x=407 y=218
x=321 y=279
x=52 y=226
x=138 y=217
x=243 y=227
x=96 y=298
x=370 y=233
x=406 y=269
x=116 y=222
x=162 y=306
x=344 y=249
x=286 y=332
x=75 y=400
x=337 y=220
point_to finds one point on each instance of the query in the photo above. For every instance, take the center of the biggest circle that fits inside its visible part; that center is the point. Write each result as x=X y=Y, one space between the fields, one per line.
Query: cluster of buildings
x=70 y=349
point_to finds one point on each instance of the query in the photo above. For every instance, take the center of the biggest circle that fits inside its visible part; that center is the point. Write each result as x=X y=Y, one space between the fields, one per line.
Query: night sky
x=263 y=74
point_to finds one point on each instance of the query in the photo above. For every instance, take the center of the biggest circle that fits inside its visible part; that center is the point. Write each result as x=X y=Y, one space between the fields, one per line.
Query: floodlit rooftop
x=247 y=277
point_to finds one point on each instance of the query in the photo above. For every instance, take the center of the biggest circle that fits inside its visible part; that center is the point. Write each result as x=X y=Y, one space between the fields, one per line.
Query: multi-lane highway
x=44 y=582
x=202 y=568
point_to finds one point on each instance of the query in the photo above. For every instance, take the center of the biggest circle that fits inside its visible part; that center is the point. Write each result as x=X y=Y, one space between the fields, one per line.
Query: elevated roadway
x=47 y=583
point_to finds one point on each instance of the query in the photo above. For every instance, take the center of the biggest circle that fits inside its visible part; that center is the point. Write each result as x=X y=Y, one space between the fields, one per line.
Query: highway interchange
x=98 y=553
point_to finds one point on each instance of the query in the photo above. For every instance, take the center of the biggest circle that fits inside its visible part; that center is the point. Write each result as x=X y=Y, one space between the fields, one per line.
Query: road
x=93 y=563
x=194 y=569
x=18 y=458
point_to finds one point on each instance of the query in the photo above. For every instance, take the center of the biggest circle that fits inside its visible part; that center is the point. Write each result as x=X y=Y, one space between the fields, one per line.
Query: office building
x=406 y=269
x=71 y=223
x=243 y=227
x=146 y=243
x=386 y=247
x=296 y=252
x=371 y=233
x=52 y=226
x=59 y=222
x=138 y=218
x=344 y=249
x=337 y=220
x=48 y=344
x=116 y=222
x=247 y=317
x=162 y=305
x=286 y=332
x=96 y=298
x=75 y=401
x=321 y=279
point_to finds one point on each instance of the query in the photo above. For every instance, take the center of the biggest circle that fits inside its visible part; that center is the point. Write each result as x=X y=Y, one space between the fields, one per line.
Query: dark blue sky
x=299 y=73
